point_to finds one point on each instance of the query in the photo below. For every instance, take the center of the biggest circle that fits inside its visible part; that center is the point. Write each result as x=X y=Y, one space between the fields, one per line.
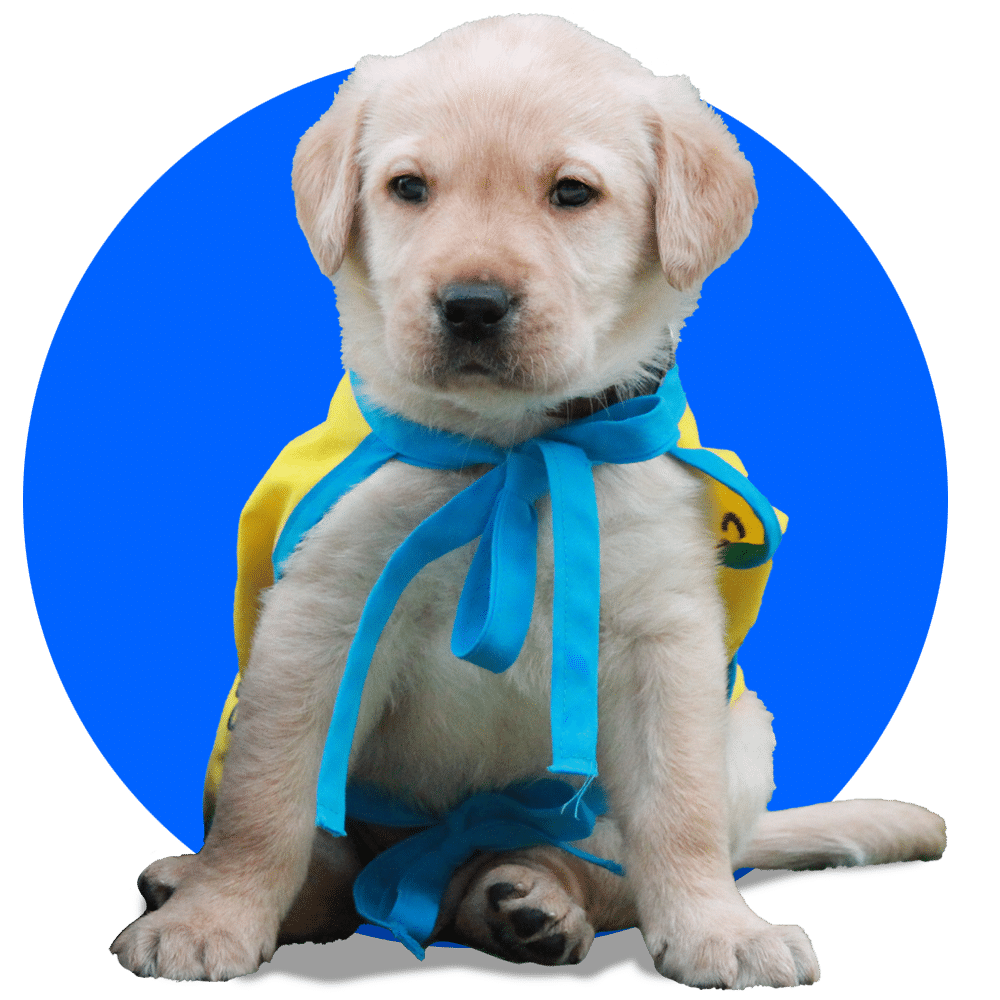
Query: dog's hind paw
x=524 y=915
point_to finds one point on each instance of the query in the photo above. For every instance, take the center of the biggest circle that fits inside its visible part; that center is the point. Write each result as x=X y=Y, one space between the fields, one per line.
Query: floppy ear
x=326 y=177
x=705 y=194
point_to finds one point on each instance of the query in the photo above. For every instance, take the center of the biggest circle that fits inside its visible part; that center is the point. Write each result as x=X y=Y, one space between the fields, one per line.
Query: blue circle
x=203 y=337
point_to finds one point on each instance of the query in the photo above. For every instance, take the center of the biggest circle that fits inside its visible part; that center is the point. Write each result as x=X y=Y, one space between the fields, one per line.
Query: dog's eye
x=569 y=193
x=409 y=187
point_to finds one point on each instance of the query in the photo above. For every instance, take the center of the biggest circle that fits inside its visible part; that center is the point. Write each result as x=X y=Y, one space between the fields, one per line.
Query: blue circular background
x=203 y=337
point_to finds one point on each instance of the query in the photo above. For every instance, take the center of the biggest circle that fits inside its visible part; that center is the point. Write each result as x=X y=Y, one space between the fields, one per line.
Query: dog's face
x=515 y=215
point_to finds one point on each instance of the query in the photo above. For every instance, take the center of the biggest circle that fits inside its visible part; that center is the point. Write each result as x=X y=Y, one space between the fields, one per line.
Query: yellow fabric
x=742 y=589
x=309 y=457
x=739 y=686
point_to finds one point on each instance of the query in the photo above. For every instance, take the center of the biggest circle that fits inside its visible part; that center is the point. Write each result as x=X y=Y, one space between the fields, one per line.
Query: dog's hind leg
x=324 y=908
x=322 y=911
x=853 y=832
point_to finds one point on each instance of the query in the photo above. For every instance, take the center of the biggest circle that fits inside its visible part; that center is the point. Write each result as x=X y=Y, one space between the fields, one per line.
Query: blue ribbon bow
x=401 y=888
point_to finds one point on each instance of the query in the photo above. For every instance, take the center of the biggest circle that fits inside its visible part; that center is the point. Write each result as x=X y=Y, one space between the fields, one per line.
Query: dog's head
x=515 y=215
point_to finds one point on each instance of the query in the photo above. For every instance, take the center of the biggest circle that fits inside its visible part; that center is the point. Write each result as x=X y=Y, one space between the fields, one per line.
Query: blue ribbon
x=494 y=610
x=401 y=888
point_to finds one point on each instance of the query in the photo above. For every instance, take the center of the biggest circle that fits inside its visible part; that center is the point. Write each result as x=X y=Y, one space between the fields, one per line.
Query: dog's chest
x=451 y=727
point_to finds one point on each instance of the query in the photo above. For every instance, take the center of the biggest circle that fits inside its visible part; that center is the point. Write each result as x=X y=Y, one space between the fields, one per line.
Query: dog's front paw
x=524 y=915
x=730 y=947
x=198 y=935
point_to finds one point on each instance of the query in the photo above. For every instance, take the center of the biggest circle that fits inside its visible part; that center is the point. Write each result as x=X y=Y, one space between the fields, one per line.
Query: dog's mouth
x=474 y=368
x=475 y=372
x=458 y=365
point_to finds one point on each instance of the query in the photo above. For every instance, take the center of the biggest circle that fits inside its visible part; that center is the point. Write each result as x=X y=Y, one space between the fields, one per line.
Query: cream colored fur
x=492 y=116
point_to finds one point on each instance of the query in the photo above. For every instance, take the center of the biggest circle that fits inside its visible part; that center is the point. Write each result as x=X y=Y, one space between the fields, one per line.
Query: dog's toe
x=730 y=947
x=198 y=936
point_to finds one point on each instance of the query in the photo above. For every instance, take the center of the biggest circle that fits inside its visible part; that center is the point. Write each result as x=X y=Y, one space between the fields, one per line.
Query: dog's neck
x=586 y=406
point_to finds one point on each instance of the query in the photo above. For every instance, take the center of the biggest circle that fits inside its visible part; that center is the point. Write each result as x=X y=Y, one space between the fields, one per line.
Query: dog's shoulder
x=661 y=491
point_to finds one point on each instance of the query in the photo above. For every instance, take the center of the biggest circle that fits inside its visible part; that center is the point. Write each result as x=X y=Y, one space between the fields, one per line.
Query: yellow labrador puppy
x=518 y=219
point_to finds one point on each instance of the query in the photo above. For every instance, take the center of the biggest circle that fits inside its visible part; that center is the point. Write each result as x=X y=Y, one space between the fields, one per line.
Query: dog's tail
x=853 y=832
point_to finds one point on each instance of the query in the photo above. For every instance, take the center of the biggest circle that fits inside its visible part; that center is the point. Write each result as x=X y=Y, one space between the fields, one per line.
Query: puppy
x=518 y=219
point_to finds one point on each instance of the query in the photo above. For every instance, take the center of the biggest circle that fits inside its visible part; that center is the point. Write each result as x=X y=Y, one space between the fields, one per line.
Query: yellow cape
x=308 y=458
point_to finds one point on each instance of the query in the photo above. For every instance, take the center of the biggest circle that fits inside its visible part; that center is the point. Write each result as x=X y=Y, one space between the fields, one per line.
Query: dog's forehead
x=479 y=156
x=520 y=117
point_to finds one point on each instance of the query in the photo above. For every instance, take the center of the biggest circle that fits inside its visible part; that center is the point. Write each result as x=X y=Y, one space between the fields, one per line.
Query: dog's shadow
x=370 y=961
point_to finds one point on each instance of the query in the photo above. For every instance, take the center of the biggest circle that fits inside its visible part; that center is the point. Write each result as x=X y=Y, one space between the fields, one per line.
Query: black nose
x=474 y=312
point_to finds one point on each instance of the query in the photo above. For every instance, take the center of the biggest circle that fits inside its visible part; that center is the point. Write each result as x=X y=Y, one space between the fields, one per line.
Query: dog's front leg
x=220 y=913
x=664 y=721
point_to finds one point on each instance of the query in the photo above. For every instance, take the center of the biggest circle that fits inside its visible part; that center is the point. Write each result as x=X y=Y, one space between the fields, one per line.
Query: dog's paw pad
x=550 y=950
x=500 y=891
x=527 y=922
